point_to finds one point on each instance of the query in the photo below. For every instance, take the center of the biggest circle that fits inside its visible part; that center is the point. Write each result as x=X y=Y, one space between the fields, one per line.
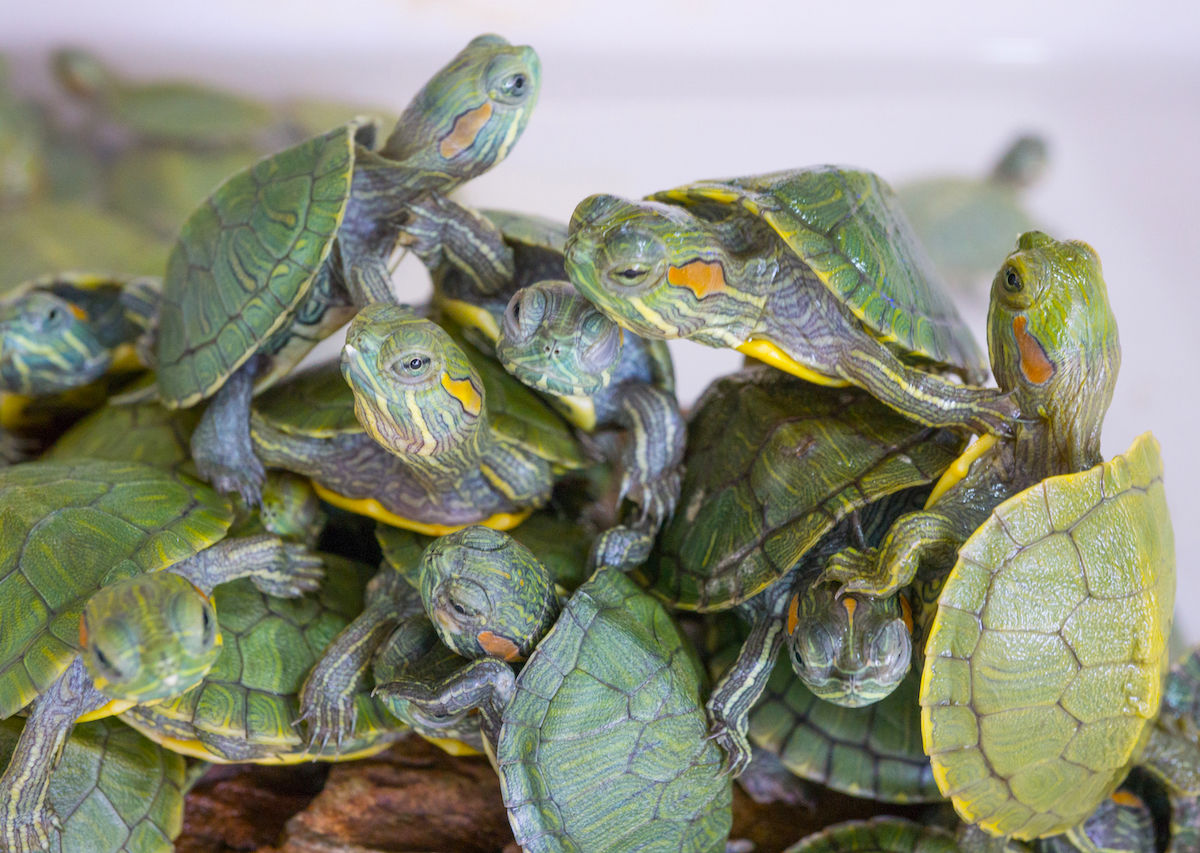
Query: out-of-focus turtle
x=968 y=224
x=815 y=271
x=599 y=740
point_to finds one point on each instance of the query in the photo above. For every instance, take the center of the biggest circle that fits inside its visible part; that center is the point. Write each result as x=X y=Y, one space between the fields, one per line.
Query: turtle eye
x=1012 y=281
x=514 y=85
x=106 y=666
x=412 y=366
x=208 y=627
x=509 y=80
x=524 y=315
x=630 y=275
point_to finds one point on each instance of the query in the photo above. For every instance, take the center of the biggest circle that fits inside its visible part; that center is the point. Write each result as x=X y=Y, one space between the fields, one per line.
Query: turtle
x=247 y=706
x=778 y=474
x=285 y=251
x=1121 y=823
x=598 y=741
x=113 y=790
x=967 y=224
x=166 y=112
x=104 y=588
x=815 y=271
x=413 y=432
x=878 y=835
x=555 y=341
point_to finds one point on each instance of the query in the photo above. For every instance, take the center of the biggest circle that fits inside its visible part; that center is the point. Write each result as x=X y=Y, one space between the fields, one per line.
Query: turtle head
x=1023 y=163
x=1053 y=341
x=47 y=345
x=290 y=507
x=149 y=637
x=657 y=270
x=487 y=594
x=553 y=339
x=82 y=73
x=415 y=391
x=852 y=650
x=468 y=116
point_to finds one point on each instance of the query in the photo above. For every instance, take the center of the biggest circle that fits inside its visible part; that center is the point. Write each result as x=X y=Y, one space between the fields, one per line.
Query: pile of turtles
x=489 y=524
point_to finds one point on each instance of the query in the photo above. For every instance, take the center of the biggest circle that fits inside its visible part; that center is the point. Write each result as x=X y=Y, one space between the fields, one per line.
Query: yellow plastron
x=769 y=353
x=374 y=509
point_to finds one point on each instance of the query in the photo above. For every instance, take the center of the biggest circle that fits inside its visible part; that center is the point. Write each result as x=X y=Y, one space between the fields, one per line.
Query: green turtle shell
x=113 y=790
x=45 y=237
x=246 y=260
x=781 y=462
x=68 y=529
x=848 y=227
x=603 y=745
x=136 y=432
x=246 y=708
x=878 y=835
x=1045 y=663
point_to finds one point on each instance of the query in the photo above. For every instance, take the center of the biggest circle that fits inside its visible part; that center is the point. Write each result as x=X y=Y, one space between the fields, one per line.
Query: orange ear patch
x=1125 y=798
x=906 y=612
x=466 y=128
x=793 y=614
x=1034 y=363
x=465 y=392
x=498 y=647
x=79 y=313
x=851 y=605
x=700 y=277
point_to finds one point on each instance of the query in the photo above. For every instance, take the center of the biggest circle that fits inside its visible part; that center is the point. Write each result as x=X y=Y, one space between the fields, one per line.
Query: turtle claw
x=326 y=718
x=735 y=745
x=655 y=498
x=246 y=482
x=292 y=572
x=857 y=572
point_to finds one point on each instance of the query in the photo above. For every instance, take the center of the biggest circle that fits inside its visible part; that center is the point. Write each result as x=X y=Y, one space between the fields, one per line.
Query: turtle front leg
x=221 y=443
x=925 y=538
x=278 y=568
x=487 y=684
x=516 y=473
x=744 y=682
x=13 y=449
x=327 y=696
x=652 y=463
x=27 y=822
x=443 y=233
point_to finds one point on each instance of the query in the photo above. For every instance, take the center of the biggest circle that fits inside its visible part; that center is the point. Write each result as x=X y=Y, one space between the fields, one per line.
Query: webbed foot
x=862 y=572
x=325 y=718
x=622 y=548
x=993 y=413
x=656 y=498
x=28 y=831
x=289 y=570
x=734 y=744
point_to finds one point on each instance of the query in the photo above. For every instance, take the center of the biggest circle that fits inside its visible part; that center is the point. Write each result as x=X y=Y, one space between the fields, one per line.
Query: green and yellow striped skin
x=782 y=462
x=554 y=340
x=1122 y=823
x=247 y=706
x=878 y=835
x=815 y=271
x=1033 y=709
x=113 y=790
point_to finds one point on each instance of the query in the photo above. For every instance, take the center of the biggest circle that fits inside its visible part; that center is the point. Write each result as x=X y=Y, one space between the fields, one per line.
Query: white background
x=639 y=96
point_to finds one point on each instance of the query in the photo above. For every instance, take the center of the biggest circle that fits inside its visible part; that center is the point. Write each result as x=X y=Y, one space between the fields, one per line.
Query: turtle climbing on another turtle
x=968 y=224
x=640 y=774
x=555 y=341
x=105 y=589
x=815 y=271
x=285 y=251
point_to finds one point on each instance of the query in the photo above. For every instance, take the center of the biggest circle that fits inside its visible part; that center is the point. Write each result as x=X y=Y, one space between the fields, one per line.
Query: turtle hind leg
x=221 y=444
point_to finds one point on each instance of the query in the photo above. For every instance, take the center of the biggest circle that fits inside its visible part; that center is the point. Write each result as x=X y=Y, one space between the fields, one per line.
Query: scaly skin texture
x=417 y=394
x=879 y=835
x=796 y=262
x=554 y=340
x=612 y=653
x=1054 y=346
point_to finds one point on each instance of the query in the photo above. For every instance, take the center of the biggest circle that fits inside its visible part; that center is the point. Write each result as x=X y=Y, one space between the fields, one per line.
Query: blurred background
x=640 y=96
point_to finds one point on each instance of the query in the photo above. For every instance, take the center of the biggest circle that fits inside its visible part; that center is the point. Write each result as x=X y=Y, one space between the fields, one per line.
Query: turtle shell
x=68 y=528
x=136 y=432
x=848 y=227
x=603 y=745
x=245 y=260
x=1045 y=663
x=878 y=835
x=774 y=463
x=113 y=790
x=247 y=706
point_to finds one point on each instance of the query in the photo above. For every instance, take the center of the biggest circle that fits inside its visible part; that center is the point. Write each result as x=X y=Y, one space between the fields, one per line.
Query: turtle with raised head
x=815 y=271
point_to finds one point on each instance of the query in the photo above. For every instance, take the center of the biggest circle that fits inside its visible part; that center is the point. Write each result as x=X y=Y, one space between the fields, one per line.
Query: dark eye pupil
x=102 y=659
x=415 y=363
x=458 y=608
x=630 y=273
x=518 y=83
x=1013 y=281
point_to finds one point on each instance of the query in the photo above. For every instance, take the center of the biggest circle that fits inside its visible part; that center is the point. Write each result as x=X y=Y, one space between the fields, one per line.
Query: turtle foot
x=656 y=498
x=288 y=570
x=622 y=548
x=30 y=832
x=233 y=474
x=14 y=449
x=734 y=744
x=992 y=413
x=325 y=719
x=859 y=572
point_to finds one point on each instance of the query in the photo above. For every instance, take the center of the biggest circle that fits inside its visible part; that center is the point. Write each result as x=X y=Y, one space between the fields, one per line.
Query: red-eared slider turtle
x=599 y=740
x=445 y=439
x=247 y=706
x=104 y=588
x=966 y=224
x=781 y=473
x=113 y=791
x=554 y=340
x=878 y=835
x=253 y=281
x=815 y=271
